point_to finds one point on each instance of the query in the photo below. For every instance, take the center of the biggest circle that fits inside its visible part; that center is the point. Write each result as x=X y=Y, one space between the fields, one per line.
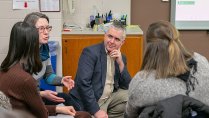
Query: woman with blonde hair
x=168 y=69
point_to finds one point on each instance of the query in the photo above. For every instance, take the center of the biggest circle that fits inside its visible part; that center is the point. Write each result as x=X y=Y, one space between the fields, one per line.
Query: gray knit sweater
x=147 y=90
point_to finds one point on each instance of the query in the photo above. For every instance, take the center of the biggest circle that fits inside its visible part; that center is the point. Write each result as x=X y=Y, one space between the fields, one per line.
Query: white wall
x=83 y=9
x=7 y=19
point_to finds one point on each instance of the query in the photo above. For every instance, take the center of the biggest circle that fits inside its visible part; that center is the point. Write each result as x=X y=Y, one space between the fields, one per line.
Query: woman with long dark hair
x=16 y=80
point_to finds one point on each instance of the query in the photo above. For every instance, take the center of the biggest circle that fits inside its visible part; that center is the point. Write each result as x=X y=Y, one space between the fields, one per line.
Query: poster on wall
x=26 y=4
x=50 y=5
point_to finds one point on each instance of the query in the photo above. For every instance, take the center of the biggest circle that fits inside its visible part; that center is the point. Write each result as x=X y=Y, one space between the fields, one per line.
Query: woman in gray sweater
x=168 y=69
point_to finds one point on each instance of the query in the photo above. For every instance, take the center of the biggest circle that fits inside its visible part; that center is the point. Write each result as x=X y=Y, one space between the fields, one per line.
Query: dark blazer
x=91 y=76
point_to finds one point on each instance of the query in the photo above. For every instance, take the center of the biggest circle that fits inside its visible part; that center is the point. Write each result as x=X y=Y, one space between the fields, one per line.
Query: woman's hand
x=68 y=82
x=68 y=110
x=51 y=95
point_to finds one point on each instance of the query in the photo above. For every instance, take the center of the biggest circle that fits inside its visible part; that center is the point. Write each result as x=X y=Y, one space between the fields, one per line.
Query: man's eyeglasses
x=42 y=28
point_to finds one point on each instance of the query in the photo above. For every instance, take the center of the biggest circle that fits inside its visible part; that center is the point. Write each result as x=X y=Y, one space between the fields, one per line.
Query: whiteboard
x=190 y=14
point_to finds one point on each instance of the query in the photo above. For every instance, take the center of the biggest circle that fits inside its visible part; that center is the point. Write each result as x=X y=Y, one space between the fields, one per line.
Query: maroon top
x=21 y=88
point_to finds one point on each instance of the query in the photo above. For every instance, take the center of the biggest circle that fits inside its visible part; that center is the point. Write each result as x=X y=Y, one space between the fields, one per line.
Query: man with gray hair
x=102 y=77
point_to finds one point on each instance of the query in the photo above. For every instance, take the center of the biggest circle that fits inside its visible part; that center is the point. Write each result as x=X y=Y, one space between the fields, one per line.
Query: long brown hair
x=23 y=49
x=164 y=51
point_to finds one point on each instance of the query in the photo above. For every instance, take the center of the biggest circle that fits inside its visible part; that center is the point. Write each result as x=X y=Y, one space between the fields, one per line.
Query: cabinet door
x=72 y=46
x=133 y=49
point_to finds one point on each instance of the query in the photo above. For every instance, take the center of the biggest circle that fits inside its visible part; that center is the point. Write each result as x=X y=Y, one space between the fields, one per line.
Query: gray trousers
x=115 y=105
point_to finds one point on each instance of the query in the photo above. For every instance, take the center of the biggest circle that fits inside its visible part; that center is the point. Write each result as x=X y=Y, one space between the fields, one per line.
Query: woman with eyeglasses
x=41 y=22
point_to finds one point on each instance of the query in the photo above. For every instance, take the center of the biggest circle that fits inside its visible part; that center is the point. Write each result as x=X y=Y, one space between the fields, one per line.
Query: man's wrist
x=121 y=67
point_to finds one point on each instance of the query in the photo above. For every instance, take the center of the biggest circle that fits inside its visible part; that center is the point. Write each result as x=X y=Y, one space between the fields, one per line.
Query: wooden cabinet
x=73 y=44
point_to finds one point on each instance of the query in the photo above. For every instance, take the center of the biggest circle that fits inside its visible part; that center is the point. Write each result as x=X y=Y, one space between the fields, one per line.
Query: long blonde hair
x=164 y=51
